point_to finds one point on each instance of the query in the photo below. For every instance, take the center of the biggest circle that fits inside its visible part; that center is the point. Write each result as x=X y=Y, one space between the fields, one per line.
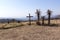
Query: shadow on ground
x=51 y=25
x=9 y=27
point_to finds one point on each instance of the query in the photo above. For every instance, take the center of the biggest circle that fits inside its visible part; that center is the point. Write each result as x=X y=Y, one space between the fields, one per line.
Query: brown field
x=22 y=31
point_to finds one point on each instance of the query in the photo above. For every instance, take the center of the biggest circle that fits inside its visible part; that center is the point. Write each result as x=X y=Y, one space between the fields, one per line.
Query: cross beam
x=29 y=18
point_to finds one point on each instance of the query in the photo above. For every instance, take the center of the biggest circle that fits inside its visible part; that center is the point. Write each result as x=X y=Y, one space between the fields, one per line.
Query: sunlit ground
x=22 y=31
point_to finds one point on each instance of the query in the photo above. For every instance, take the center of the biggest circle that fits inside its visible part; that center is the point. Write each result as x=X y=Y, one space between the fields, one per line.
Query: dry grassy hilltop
x=22 y=31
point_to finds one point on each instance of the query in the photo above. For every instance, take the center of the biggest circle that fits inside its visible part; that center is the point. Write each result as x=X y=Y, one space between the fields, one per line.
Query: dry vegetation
x=22 y=31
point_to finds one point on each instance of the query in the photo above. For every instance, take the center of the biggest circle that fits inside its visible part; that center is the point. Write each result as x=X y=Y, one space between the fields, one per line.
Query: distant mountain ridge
x=26 y=19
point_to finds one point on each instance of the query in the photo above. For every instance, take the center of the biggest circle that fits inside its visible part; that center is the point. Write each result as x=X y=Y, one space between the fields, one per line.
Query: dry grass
x=10 y=25
x=33 y=32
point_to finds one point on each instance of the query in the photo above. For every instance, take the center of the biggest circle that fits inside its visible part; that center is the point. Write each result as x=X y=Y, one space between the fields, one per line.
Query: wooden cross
x=29 y=18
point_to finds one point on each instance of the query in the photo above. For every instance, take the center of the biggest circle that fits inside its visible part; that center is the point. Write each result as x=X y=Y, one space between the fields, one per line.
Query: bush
x=38 y=23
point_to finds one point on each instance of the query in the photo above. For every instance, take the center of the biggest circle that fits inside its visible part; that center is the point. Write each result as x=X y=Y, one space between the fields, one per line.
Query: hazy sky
x=21 y=8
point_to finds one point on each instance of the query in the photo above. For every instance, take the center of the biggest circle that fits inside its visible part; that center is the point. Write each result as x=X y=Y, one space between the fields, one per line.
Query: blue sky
x=21 y=8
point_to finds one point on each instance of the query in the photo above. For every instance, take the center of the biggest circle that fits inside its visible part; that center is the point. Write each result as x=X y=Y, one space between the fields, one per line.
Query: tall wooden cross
x=29 y=18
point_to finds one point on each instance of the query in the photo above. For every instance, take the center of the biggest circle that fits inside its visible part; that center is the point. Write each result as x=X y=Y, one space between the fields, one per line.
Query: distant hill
x=58 y=17
x=25 y=19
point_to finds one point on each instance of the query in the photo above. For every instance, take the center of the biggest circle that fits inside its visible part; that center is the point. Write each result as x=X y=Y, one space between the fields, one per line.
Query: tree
x=49 y=15
x=43 y=17
x=38 y=16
